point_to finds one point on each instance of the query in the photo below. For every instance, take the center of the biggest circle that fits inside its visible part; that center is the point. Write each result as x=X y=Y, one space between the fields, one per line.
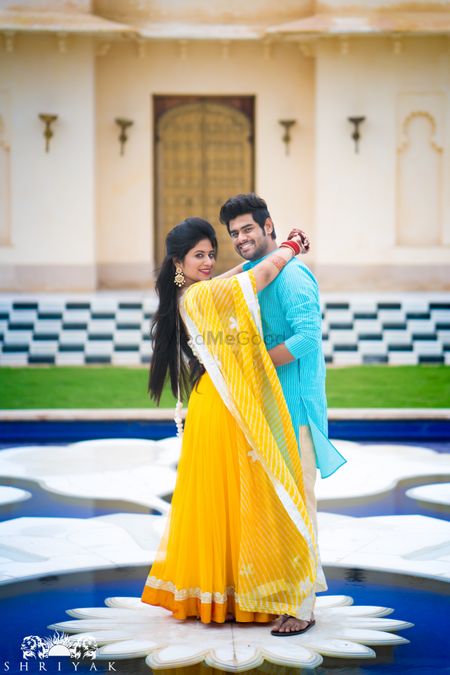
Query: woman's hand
x=301 y=237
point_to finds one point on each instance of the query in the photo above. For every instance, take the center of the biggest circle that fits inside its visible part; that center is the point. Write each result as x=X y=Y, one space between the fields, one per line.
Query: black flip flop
x=279 y=633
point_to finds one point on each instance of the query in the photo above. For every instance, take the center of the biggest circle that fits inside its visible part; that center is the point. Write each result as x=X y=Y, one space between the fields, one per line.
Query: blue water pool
x=58 y=431
x=29 y=606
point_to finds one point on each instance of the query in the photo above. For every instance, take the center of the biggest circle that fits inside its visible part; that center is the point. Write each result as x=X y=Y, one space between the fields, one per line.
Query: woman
x=239 y=543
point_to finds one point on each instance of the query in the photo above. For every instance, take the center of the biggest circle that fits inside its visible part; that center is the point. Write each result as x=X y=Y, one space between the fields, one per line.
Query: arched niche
x=419 y=182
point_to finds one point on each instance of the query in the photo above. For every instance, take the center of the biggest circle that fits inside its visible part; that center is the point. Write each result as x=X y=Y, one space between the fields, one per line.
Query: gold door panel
x=203 y=155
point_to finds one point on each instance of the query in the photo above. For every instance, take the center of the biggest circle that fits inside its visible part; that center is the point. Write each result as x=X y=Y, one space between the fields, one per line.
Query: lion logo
x=84 y=649
x=34 y=647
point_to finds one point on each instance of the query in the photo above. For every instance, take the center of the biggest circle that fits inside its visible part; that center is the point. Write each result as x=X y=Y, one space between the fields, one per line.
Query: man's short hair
x=245 y=203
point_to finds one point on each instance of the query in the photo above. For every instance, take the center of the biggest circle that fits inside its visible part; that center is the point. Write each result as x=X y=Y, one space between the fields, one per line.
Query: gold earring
x=179 y=279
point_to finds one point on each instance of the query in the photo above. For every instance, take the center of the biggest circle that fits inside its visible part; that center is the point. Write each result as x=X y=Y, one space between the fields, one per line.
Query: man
x=291 y=320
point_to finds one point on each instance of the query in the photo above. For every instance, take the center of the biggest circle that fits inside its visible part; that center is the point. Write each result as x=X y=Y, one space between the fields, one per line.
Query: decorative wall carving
x=419 y=182
x=405 y=140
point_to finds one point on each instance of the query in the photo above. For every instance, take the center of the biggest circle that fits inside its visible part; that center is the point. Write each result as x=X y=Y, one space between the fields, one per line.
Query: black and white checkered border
x=405 y=329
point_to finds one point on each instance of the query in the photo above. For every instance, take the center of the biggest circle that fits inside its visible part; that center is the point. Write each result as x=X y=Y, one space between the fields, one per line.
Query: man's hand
x=280 y=355
x=304 y=240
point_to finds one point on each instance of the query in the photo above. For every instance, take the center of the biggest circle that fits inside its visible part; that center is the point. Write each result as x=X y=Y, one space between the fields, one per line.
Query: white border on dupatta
x=250 y=298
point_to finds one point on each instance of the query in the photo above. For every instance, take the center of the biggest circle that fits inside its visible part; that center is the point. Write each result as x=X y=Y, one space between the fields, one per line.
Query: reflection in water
x=344 y=668
x=203 y=669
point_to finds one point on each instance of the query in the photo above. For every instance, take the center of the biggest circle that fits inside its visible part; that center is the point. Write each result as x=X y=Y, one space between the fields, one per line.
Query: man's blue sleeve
x=299 y=302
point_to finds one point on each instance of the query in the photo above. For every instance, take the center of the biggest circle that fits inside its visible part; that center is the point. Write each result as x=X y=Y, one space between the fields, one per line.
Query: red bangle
x=293 y=245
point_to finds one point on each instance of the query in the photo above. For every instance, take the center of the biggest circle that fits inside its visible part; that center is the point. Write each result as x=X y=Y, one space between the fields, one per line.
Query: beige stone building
x=214 y=98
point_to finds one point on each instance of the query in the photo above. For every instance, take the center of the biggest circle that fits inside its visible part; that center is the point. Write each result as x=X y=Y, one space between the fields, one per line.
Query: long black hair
x=180 y=240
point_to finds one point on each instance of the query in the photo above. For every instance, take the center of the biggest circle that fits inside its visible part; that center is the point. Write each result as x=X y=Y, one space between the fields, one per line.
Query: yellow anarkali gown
x=238 y=539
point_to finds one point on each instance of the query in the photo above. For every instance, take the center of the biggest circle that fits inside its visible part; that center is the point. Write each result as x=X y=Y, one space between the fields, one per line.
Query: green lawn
x=114 y=387
x=72 y=387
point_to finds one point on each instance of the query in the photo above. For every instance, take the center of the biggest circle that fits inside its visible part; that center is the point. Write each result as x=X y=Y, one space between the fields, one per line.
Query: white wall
x=52 y=194
x=357 y=194
x=81 y=206
x=282 y=82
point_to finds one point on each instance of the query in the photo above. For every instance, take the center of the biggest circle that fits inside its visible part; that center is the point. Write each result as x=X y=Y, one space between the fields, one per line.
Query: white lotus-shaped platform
x=128 y=469
x=436 y=494
x=127 y=628
x=141 y=471
x=35 y=547
x=12 y=495
x=375 y=469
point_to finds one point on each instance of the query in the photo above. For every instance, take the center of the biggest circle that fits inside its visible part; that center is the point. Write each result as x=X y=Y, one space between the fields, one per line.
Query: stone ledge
x=163 y=414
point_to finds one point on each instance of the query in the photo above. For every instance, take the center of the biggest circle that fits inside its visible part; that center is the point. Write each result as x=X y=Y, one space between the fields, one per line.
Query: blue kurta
x=290 y=314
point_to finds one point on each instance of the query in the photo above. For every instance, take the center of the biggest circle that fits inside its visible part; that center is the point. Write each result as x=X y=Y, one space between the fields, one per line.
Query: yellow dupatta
x=278 y=558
